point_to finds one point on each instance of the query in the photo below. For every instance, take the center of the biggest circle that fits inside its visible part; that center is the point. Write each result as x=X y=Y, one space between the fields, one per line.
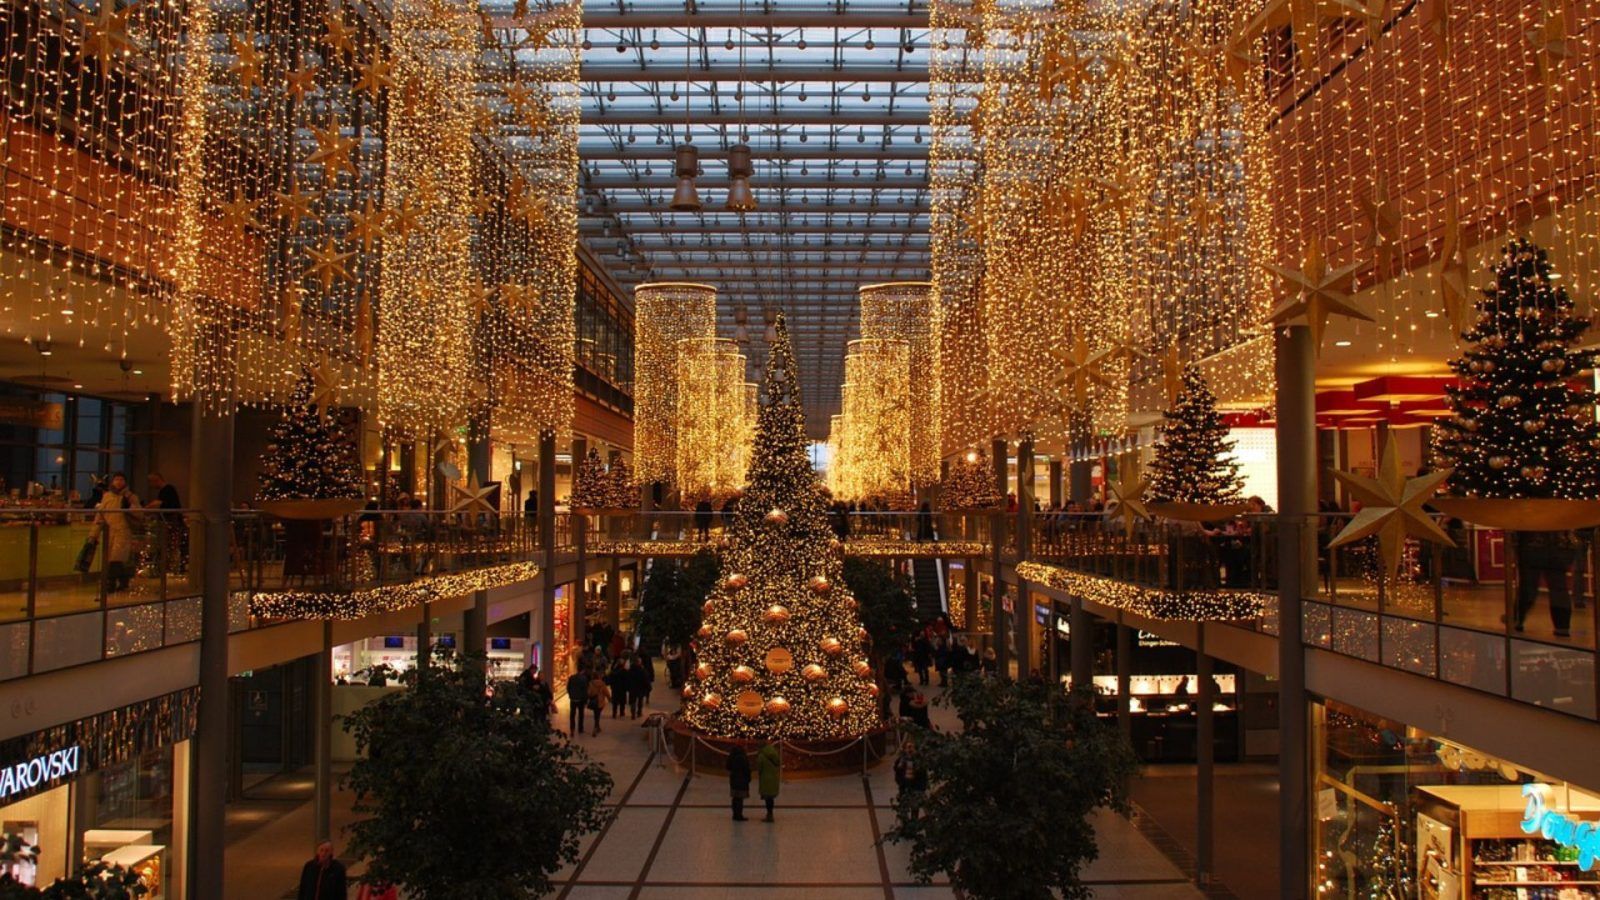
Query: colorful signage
x=42 y=770
x=1562 y=827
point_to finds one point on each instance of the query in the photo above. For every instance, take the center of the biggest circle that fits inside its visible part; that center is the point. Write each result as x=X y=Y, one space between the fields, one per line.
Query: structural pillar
x=1082 y=646
x=1124 y=681
x=1080 y=474
x=475 y=618
x=425 y=639
x=1022 y=619
x=322 y=738
x=580 y=529
x=1297 y=486
x=211 y=490
x=1055 y=484
x=1205 y=757
x=547 y=545
x=614 y=593
x=997 y=537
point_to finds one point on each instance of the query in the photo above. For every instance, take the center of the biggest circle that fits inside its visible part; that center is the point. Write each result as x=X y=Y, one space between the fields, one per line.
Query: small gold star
x=295 y=206
x=301 y=82
x=375 y=76
x=328 y=263
x=105 y=34
x=325 y=387
x=1060 y=66
x=1316 y=293
x=246 y=68
x=1127 y=494
x=1453 y=270
x=333 y=150
x=340 y=36
x=1080 y=369
x=1382 y=215
x=293 y=303
x=403 y=217
x=367 y=225
x=239 y=214
x=1391 y=508
x=475 y=497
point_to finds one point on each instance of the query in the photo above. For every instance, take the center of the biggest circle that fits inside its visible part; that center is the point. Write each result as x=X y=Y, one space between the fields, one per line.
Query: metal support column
x=425 y=640
x=1055 y=484
x=547 y=544
x=475 y=618
x=322 y=738
x=211 y=489
x=997 y=537
x=1082 y=646
x=1022 y=622
x=1205 y=750
x=1124 y=681
x=580 y=537
x=1297 y=486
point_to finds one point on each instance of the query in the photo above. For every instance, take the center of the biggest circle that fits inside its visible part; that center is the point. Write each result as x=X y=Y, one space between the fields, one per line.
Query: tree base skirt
x=1198 y=512
x=801 y=758
x=1522 y=515
x=311 y=509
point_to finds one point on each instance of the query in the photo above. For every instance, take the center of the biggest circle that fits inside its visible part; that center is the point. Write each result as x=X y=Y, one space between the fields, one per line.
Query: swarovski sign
x=45 y=769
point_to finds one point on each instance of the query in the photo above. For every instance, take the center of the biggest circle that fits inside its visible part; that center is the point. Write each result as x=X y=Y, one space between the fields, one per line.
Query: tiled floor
x=673 y=838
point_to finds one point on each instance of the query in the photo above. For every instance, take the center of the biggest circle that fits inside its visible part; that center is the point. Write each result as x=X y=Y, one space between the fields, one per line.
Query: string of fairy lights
x=872 y=435
x=905 y=311
x=713 y=426
x=665 y=315
x=370 y=193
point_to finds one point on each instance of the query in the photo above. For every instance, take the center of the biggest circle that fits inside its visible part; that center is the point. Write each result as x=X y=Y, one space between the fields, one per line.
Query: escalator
x=927 y=582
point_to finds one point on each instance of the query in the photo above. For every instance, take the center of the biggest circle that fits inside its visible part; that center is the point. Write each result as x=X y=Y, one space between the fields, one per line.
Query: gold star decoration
x=295 y=206
x=246 y=68
x=1127 y=494
x=1204 y=211
x=239 y=214
x=973 y=219
x=1116 y=194
x=475 y=497
x=1316 y=293
x=1382 y=215
x=511 y=297
x=1550 y=43
x=325 y=387
x=105 y=34
x=328 y=263
x=375 y=76
x=1391 y=508
x=1060 y=66
x=1453 y=271
x=367 y=225
x=483 y=299
x=403 y=217
x=1080 y=369
x=339 y=35
x=301 y=82
x=333 y=150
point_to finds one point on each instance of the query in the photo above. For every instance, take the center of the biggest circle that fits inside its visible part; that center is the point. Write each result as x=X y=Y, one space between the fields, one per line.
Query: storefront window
x=1401 y=813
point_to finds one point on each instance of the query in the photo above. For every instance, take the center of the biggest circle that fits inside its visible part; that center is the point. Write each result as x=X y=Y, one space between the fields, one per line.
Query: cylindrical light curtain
x=906 y=311
x=424 y=339
x=711 y=428
x=876 y=439
x=665 y=313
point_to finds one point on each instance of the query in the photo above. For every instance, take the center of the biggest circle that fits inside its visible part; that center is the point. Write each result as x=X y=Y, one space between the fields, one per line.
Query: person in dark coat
x=638 y=686
x=577 y=699
x=738 y=780
x=702 y=519
x=617 y=679
x=924 y=525
x=323 y=877
x=922 y=657
x=909 y=775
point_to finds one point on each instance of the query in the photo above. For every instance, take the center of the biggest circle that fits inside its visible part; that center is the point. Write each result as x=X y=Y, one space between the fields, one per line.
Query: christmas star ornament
x=295 y=206
x=1550 y=43
x=299 y=83
x=328 y=264
x=294 y=296
x=325 y=387
x=239 y=214
x=403 y=217
x=1127 y=493
x=1453 y=272
x=1080 y=369
x=474 y=497
x=375 y=76
x=246 y=68
x=1382 y=215
x=339 y=35
x=1316 y=293
x=367 y=225
x=333 y=150
x=105 y=34
x=1391 y=508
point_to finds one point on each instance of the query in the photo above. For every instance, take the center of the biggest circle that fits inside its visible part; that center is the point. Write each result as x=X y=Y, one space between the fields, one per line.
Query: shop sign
x=1041 y=613
x=32 y=413
x=45 y=769
x=1562 y=827
x=1063 y=626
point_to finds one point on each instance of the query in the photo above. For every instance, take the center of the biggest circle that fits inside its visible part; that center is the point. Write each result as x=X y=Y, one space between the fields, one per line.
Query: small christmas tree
x=590 y=485
x=970 y=483
x=781 y=648
x=312 y=455
x=1192 y=462
x=622 y=491
x=1523 y=427
x=1390 y=877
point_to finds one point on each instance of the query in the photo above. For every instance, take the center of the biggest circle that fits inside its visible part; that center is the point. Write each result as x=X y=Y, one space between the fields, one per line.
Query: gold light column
x=877 y=421
x=711 y=419
x=665 y=313
x=906 y=311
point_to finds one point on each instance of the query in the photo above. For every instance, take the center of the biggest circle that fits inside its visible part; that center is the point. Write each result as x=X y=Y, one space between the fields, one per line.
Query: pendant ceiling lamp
x=686 y=198
x=740 y=168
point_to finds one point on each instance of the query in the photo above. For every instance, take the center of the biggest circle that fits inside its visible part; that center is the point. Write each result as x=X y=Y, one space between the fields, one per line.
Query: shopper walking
x=117 y=515
x=922 y=657
x=909 y=775
x=638 y=685
x=702 y=519
x=617 y=681
x=770 y=762
x=599 y=693
x=739 y=781
x=323 y=878
x=1541 y=556
x=577 y=700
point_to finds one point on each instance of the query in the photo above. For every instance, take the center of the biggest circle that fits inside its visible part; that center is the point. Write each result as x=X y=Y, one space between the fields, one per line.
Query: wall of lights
x=664 y=315
x=871 y=438
x=713 y=426
x=905 y=311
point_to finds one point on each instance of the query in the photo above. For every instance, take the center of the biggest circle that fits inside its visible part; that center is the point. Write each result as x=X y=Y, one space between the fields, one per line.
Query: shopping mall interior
x=869 y=448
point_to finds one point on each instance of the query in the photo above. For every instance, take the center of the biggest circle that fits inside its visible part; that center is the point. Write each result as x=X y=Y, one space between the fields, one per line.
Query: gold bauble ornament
x=850 y=604
x=688 y=691
x=872 y=688
x=862 y=668
x=748 y=704
x=814 y=672
x=743 y=674
x=863 y=635
x=779 y=660
x=777 y=706
x=705 y=608
x=832 y=646
x=704 y=632
x=736 y=581
x=776 y=517
x=702 y=671
x=710 y=701
x=819 y=584
x=736 y=637
x=777 y=613
x=837 y=707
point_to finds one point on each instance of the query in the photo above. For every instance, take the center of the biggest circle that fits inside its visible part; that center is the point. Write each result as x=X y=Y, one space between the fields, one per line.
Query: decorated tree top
x=1523 y=423
x=1193 y=462
x=970 y=484
x=312 y=455
x=590 y=484
x=781 y=648
x=622 y=490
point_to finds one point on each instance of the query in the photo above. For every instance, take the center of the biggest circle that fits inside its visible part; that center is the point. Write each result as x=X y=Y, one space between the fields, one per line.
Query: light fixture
x=740 y=168
x=44 y=347
x=685 y=198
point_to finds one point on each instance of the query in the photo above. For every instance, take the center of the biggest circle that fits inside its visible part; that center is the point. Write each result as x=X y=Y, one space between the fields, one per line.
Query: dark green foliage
x=669 y=607
x=1007 y=810
x=1521 y=429
x=312 y=456
x=96 y=881
x=1192 y=462
x=467 y=791
x=888 y=611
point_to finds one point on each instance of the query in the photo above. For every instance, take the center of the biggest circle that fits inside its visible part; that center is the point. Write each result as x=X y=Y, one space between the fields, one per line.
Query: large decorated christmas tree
x=1193 y=462
x=969 y=484
x=312 y=454
x=781 y=650
x=1524 y=423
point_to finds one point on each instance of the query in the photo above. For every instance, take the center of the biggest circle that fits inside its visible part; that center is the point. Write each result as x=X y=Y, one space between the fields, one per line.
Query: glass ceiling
x=831 y=96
